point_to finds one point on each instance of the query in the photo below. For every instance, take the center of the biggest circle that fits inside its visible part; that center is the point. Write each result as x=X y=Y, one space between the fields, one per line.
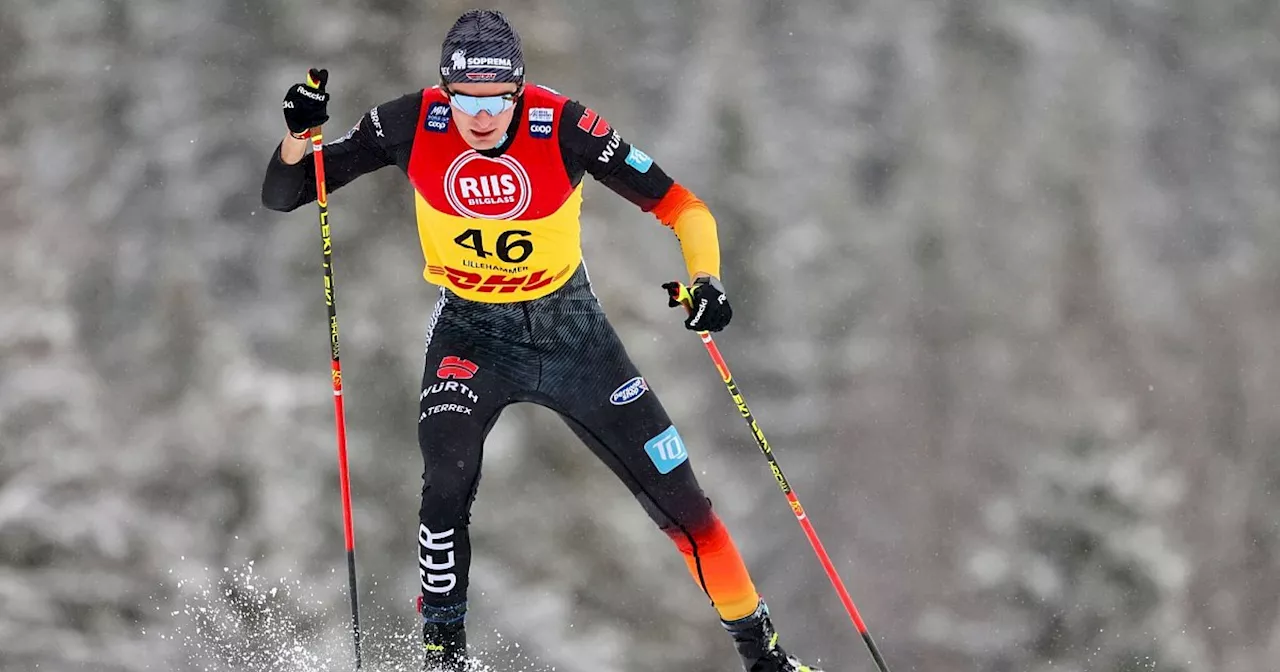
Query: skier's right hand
x=306 y=105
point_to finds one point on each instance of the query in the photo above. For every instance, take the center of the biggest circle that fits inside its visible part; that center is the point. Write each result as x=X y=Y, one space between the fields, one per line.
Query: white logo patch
x=484 y=188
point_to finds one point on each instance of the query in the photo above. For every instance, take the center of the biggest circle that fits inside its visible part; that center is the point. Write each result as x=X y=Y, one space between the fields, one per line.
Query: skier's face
x=483 y=128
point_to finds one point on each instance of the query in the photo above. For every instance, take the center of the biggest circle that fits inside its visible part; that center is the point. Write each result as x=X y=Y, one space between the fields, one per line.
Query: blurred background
x=1006 y=278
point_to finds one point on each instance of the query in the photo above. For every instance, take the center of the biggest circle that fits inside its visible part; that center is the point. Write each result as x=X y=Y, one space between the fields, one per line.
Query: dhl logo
x=500 y=283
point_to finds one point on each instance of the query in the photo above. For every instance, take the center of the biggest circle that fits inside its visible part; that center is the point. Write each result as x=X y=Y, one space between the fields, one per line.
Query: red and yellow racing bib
x=502 y=229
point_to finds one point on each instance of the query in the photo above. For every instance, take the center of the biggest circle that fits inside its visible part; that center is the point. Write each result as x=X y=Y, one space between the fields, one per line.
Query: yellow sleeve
x=695 y=228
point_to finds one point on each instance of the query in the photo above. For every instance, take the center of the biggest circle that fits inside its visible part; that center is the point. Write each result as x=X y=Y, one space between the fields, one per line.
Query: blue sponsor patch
x=629 y=391
x=666 y=450
x=438 y=116
x=639 y=160
x=540 y=121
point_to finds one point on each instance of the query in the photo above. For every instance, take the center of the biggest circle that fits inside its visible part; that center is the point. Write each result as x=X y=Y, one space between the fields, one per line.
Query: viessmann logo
x=485 y=188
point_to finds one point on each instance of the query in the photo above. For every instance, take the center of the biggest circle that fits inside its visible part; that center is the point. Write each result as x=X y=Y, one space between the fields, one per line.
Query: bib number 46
x=512 y=246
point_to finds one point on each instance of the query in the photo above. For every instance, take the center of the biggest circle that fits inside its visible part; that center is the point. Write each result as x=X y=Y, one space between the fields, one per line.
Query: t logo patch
x=666 y=450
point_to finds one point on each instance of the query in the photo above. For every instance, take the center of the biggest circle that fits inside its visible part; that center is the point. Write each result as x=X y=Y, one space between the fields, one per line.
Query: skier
x=497 y=165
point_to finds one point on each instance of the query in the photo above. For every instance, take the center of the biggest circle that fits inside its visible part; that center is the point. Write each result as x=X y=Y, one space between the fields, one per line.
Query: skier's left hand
x=306 y=104
x=709 y=309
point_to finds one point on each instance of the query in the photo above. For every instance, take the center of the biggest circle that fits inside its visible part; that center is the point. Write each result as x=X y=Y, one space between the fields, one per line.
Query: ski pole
x=322 y=199
x=680 y=293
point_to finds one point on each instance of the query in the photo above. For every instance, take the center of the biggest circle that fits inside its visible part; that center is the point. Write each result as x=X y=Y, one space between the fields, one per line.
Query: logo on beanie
x=459 y=61
x=485 y=188
x=489 y=63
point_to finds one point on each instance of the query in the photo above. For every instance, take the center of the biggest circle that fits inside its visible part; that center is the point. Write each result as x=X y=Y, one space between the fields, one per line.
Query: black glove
x=306 y=105
x=710 y=309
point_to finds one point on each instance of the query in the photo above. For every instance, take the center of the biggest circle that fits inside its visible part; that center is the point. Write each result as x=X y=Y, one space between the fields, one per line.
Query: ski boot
x=444 y=638
x=757 y=643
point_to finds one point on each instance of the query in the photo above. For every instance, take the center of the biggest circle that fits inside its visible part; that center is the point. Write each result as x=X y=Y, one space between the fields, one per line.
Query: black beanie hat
x=481 y=47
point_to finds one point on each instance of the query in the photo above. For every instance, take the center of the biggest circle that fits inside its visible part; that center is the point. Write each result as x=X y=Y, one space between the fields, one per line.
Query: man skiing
x=497 y=165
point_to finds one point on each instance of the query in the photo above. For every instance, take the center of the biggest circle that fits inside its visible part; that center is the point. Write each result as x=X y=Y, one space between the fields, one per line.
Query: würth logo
x=452 y=368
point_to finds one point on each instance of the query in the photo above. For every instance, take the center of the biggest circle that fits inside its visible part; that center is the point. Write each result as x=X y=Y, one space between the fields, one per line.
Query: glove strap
x=710 y=280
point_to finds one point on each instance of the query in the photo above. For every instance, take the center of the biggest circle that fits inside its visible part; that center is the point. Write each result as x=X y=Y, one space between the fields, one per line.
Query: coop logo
x=438 y=116
x=456 y=368
x=435 y=560
x=666 y=450
x=629 y=391
x=485 y=188
x=540 y=120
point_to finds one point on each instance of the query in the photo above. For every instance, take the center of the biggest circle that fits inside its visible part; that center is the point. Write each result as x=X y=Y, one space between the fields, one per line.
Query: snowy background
x=1007 y=284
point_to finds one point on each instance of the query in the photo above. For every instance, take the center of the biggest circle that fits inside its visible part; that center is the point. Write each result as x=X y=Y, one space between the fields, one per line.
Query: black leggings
x=560 y=352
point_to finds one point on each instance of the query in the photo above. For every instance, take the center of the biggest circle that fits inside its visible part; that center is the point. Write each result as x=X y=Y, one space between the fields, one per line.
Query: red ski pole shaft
x=335 y=365
x=682 y=295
